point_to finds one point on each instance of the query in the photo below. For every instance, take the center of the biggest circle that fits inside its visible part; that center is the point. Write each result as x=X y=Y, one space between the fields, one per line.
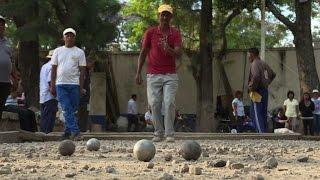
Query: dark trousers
x=83 y=117
x=48 y=115
x=4 y=93
x=27 y=117
x=308 y=126
x=132 y=119
x=258 y=112
x=240 y=123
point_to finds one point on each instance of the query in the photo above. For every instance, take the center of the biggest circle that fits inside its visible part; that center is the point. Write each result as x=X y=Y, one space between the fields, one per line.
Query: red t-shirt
x=159 y=61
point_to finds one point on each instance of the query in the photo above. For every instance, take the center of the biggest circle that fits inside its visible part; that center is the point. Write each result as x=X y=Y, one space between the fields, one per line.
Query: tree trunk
x=308 y=75
x=301 y=30
x=205 y=112
x=28 y=56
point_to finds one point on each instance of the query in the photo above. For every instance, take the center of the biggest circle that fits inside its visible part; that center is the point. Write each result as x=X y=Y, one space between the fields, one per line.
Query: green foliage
x=44 y=20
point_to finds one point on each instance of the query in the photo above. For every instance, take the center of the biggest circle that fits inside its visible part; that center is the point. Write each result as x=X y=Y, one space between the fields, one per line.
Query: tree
x=301 y=30
x=39 y=24
x=205 y=119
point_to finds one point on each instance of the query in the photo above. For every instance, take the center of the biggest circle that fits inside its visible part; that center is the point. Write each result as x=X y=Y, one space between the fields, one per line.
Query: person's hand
x=53 y=90
x=138 y=79
x=83 y=92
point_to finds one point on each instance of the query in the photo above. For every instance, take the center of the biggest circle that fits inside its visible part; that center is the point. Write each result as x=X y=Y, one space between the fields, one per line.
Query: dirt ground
x=115 y=160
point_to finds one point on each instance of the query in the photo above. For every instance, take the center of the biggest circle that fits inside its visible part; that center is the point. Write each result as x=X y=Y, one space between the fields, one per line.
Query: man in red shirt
x=162 y=45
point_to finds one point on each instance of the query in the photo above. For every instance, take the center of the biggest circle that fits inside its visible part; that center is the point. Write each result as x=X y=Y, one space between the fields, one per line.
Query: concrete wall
x=282 y=61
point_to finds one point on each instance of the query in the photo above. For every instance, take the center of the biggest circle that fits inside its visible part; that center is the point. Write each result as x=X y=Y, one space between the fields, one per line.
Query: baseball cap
x=69 y=30
x=2 y=18
x=50 y=54
x=315 y=91
x=165 y=7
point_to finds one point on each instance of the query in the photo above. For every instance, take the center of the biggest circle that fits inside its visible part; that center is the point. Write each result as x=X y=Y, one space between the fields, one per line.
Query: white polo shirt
x=68 y=61
x=45 y=78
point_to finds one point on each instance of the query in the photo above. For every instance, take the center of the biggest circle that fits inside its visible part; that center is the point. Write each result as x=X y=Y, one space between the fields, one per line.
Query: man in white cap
x=316 y=100
x=48 y=103
x=162 y=45
x=67 y=78
x=5 y=66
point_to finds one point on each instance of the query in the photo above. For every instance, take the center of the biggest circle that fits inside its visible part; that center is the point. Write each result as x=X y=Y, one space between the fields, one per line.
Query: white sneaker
x=157 y=139
x=170 y=139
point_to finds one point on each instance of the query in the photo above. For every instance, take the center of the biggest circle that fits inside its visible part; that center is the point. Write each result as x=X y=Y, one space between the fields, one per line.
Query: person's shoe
x=76 y=137
x=170 y=139
x=65 y=136
x=157 y=139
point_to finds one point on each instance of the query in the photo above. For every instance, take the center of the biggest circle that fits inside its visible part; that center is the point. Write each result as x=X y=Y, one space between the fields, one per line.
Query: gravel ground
x=245 y=159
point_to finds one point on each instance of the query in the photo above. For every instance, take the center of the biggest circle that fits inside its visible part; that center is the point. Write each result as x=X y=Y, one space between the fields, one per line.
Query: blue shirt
x=316 y=105
x=240 y=108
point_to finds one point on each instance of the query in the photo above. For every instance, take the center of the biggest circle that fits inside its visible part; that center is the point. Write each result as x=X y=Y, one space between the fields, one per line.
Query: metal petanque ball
x=190 y=150
x=144 y=150
x=67 y=148
x=93 y=144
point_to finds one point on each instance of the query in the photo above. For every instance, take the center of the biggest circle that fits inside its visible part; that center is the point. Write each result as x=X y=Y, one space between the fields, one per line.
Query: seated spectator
x=148 y=120
x=306 y=107
x=26 y=116
x=280 y=120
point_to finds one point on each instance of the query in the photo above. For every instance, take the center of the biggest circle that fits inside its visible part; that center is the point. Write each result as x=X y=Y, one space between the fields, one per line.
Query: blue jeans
x=258 y=112
x=316 y=123
x=69 y=98
x=48 y=115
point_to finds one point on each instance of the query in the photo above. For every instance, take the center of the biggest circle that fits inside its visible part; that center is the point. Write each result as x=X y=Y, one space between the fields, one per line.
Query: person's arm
x=234 y=106
x=146 y=45
x=255 y=77
x=53 y=80
x=81 y=80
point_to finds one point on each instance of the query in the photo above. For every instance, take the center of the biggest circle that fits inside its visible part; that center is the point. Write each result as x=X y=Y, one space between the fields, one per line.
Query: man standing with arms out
x=162 y=45
x=48 y=103
x=5 y=66
x=132 y=113
x=261 y=75
x=67 y=78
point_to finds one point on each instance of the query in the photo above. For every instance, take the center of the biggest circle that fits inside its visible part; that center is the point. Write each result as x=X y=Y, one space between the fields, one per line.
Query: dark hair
x=290 y=92
x=237 y=93
x=306 y=93
x=254 y=51
x=133 y=96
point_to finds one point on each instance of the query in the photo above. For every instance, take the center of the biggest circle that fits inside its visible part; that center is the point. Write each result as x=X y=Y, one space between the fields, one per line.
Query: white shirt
x=68 y=61
x=132 y=107
x=148 y=116
x=240 y=107
x=291 y=107
x=45 y=78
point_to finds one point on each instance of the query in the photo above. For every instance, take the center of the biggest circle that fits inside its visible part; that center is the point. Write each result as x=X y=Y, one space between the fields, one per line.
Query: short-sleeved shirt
x=45 y=78
x=132 y=107
x=68 y=61
x=159 y=61
x=148 y=116
x=5 y=61
x=240 y=107
x=316 y=105
x=291 y=107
